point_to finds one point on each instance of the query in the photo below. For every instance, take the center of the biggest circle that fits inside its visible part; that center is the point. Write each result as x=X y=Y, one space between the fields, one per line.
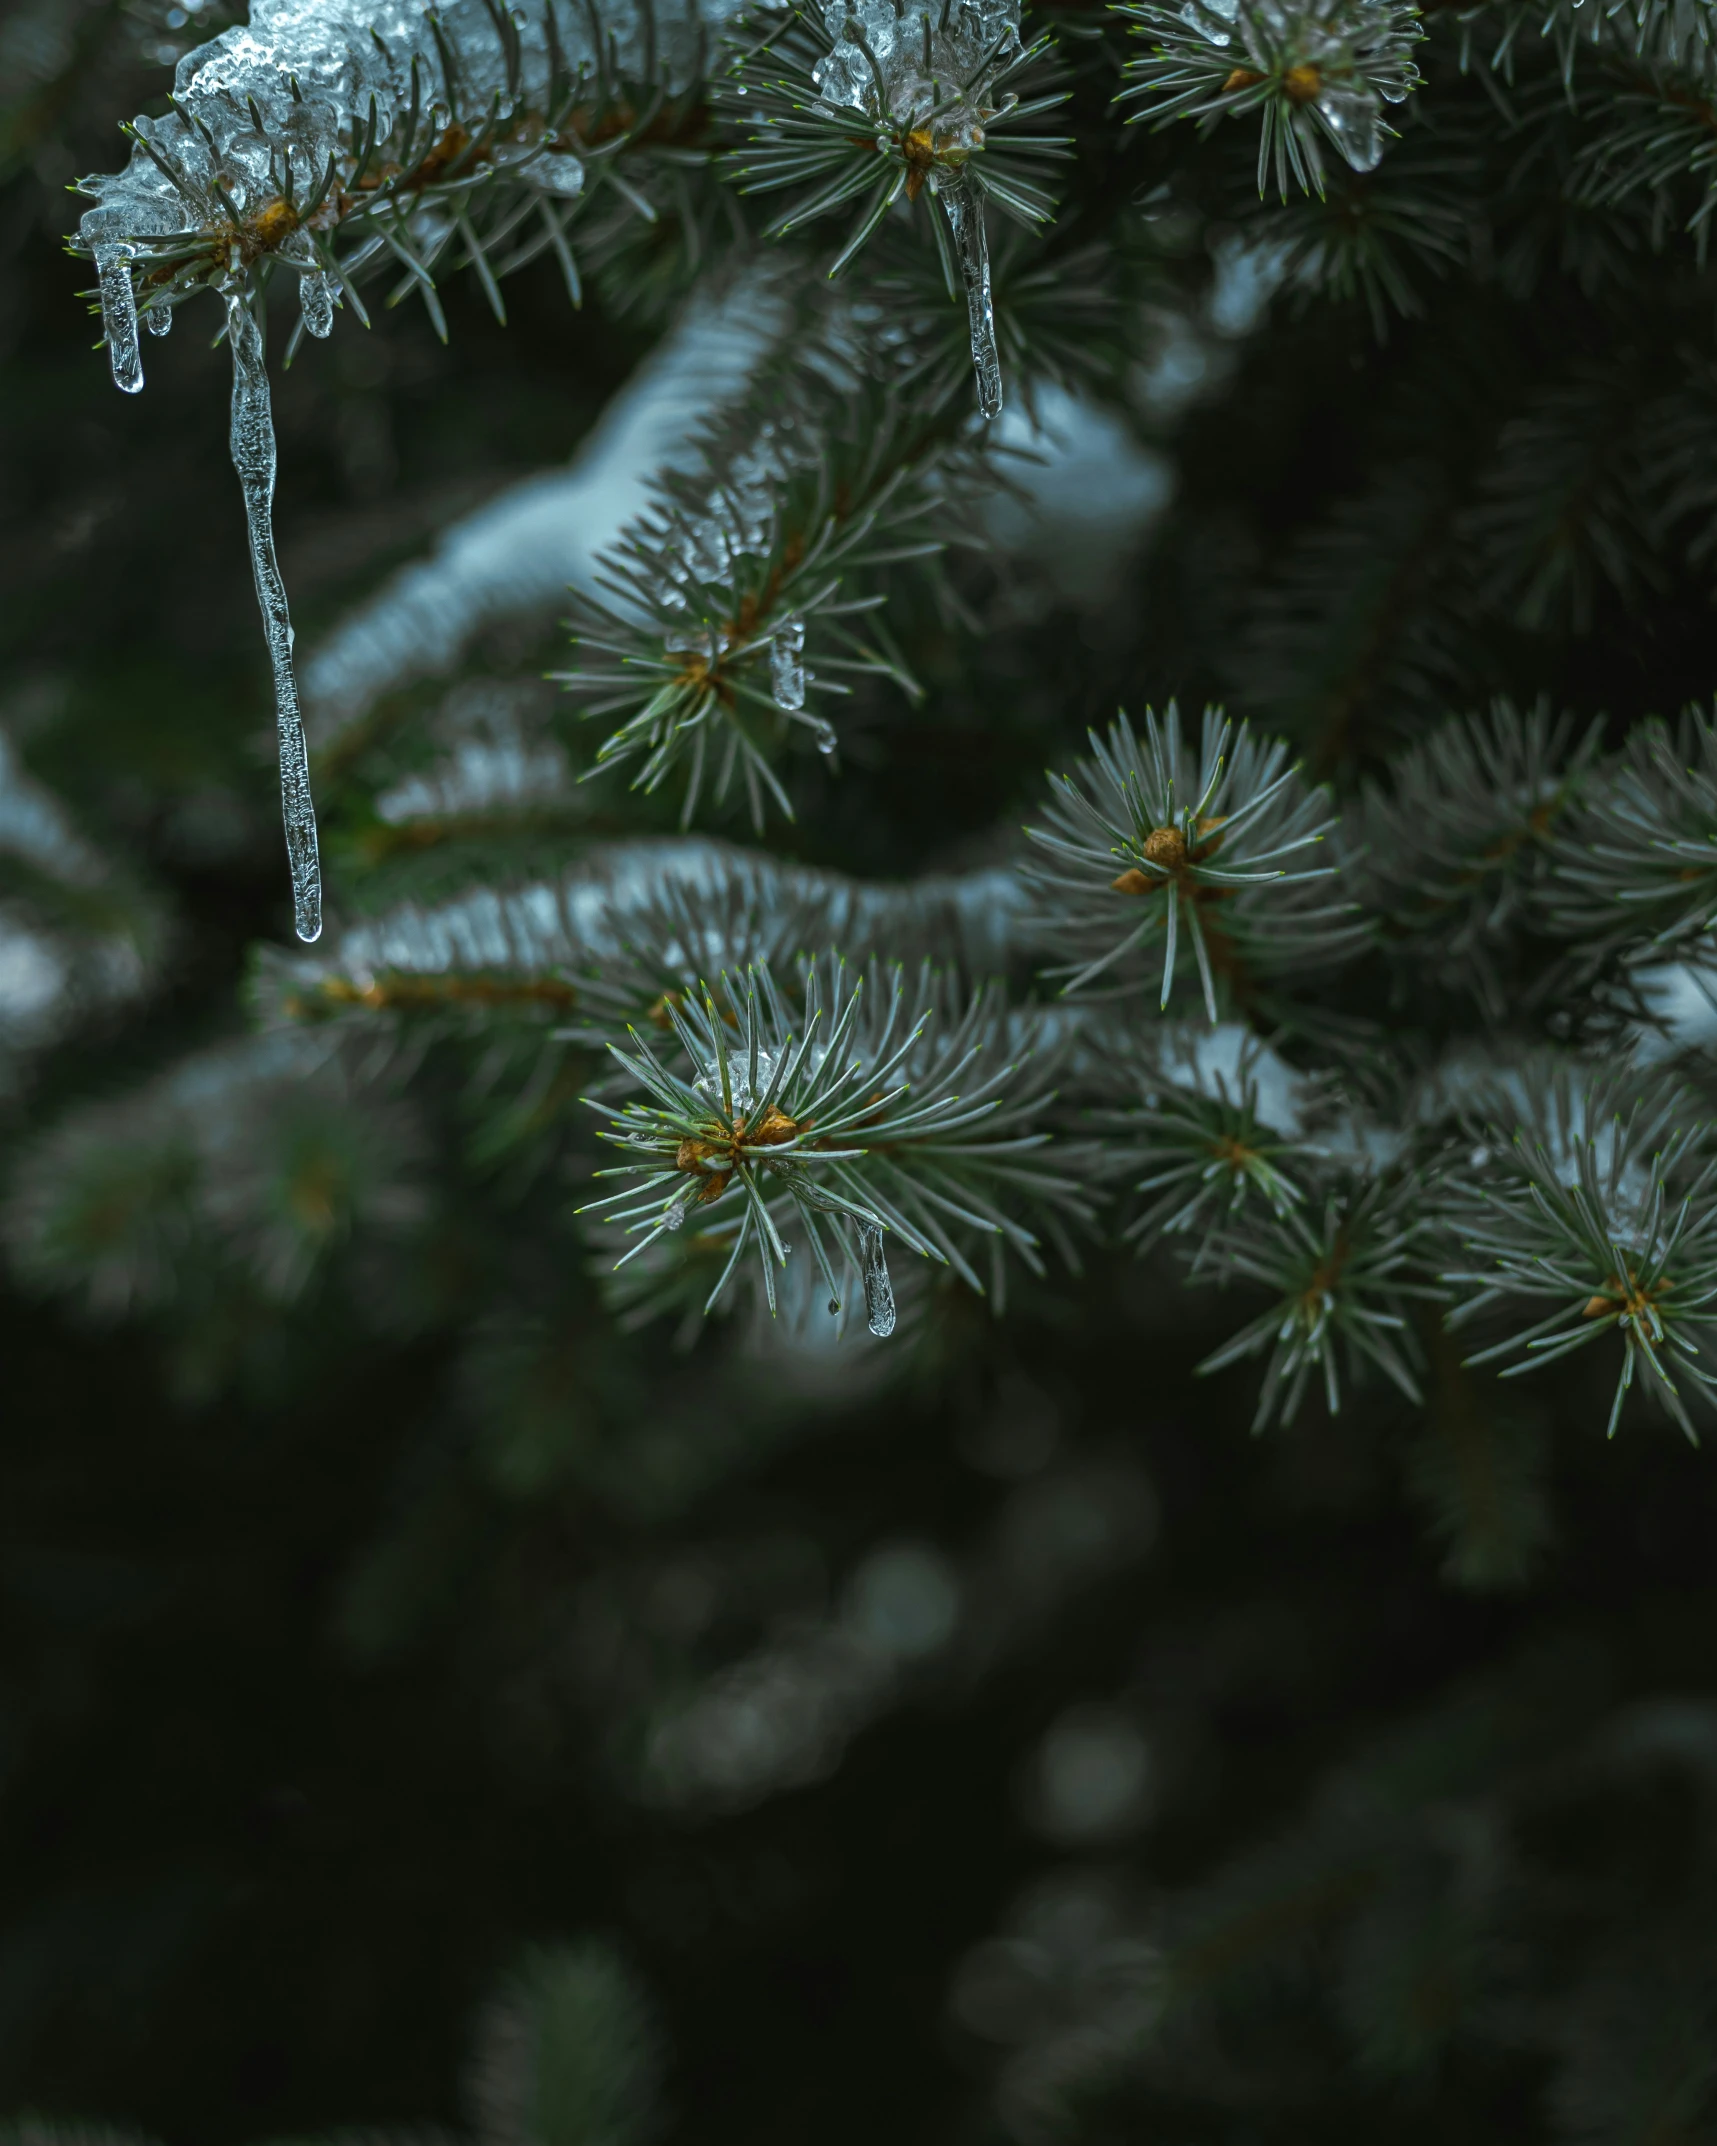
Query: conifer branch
x=1318 y=74
x=463 y=138
x=700 y=637
x=844 y=1119
x=1223 y=847
x=1611 y=1221
x=1344 y=1284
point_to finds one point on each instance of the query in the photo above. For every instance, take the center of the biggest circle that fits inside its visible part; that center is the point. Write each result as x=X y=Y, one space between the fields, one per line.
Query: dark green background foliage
x=366 y=1584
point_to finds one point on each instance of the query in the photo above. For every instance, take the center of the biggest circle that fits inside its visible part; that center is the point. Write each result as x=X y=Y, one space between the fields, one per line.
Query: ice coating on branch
x=119 y=314
x=269 y=127
x=737 y=520
x=260 y=110
x=739 y=1082
x=253 y=454
x=931 y=65
x=972 y=250
x=878 y=1289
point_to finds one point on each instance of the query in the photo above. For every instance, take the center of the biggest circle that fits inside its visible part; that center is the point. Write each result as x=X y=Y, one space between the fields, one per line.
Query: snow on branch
x=604 y=942
x=75 y=936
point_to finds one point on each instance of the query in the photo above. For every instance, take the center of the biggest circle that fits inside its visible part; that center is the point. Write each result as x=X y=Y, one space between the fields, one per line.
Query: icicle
x=253 y=455
x=316 y=297
x=972 y=248
x=562 y=176
x=787 y=666
x=878 y=1289
x=119 y=313
x=824 y=732
x=159 y=320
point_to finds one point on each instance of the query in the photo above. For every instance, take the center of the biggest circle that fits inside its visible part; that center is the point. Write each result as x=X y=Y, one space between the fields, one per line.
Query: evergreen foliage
x=1177 y=1106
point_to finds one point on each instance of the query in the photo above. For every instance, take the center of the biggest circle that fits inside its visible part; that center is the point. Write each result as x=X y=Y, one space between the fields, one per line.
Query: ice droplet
x=316 y=297
x=119 y=313
x=1353 y=117
x=972 y=249
x=827 y=743
x=878 y=1289
x=562 y=176
x=159 y=320
x=253 y=454
x=787 y=666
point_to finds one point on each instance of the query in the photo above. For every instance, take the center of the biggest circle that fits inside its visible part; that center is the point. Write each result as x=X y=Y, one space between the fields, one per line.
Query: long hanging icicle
x=972 y=250
x=253 y=455
x=113 y=260
x=878 y=1289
